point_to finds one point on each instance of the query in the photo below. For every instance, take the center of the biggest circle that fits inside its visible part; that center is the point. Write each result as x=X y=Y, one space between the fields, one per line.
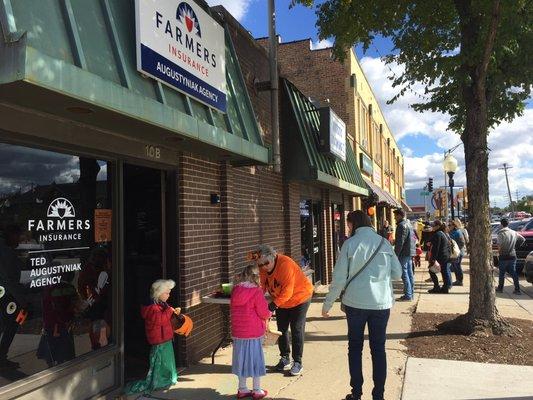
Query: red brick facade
x=257 y=206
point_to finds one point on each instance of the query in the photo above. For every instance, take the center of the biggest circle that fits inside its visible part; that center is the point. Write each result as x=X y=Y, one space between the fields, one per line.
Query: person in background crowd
x=291 y=293
x=405 y=250
x=249 y=315
x=456 y=233
x=427 y=234
x=466 y=236
x=508 y=240
x=386 y=230
x=418 y=256
x=440 y=252
x=157 y=316
x=367 y=299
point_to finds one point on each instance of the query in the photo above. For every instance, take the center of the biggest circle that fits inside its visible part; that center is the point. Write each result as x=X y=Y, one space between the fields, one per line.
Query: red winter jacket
x=249 y=311
x=157 y=322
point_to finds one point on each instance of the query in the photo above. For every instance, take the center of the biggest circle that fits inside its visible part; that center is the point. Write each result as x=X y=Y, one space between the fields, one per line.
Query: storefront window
x=55 y=259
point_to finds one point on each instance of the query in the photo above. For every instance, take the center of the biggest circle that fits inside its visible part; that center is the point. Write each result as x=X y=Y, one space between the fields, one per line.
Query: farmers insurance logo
x=61 y=208
x=187 y=17
x=60 y=223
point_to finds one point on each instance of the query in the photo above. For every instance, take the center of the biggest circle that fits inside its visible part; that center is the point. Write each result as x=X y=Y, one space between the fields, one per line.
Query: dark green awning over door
x=81 y=54
x=302 y=159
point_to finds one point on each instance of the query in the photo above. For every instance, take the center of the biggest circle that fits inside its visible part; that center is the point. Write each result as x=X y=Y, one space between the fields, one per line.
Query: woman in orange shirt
x=291 y=293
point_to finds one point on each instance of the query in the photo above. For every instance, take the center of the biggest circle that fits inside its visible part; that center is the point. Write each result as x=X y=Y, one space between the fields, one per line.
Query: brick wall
x=261 y=214
x=316 y=74
x=200 y=252
x=214 y=239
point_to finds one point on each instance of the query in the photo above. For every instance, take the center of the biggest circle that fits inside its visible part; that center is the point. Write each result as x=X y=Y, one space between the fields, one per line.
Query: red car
x=523 y=251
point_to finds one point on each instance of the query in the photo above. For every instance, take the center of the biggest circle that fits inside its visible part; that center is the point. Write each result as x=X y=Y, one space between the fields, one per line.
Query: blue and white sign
x=337 y=136
x=179 y=44
x=332 y=134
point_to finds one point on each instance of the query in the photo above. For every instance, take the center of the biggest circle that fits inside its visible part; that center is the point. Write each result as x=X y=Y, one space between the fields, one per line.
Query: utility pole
x=505 y=168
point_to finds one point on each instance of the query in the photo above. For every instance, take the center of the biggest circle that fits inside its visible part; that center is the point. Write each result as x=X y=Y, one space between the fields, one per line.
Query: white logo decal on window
x=61 y=208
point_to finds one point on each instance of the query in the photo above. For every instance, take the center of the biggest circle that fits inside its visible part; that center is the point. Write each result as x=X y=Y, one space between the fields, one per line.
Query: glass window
x=55 y=259
x=365 y=142
x=376 y=143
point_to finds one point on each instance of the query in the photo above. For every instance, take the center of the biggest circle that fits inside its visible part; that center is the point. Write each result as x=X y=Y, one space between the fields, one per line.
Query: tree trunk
x=482 y=297
x=482 y=313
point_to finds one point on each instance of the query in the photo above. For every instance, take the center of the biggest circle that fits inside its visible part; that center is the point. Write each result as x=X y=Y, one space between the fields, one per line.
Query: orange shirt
x=287 y=284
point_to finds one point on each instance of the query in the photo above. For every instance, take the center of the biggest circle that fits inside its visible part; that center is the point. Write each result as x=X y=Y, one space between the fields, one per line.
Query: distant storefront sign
x=179 y=44
x=367 y=166
x=332 y=134
x=377 y=176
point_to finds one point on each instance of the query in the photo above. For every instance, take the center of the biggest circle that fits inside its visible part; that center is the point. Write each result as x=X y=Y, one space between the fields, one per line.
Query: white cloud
x=237 y=8
x=322 y=44
x=510 y=142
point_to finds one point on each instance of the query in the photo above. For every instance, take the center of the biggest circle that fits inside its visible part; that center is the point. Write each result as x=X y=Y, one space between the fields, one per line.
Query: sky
x=423 y=137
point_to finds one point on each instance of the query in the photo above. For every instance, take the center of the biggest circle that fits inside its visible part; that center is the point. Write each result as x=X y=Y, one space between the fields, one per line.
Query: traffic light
x=430 y=185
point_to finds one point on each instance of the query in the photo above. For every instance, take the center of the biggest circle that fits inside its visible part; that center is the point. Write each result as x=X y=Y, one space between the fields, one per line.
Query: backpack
x=465 y=234
x=455 y=251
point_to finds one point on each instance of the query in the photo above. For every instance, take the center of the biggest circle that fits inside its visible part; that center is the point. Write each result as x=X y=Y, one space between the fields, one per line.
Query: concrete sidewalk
x=462 y=380
x=456 y=302
x=325 y=375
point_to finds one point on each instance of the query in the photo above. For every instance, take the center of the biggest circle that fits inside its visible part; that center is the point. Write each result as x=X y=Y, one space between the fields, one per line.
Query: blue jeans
x=457 y=269
x=407 y=276
x=509 y=266
x=377 y=328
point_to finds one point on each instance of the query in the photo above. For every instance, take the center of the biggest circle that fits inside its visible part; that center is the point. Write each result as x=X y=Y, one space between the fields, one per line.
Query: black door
x=317 y=258
x=143 y=258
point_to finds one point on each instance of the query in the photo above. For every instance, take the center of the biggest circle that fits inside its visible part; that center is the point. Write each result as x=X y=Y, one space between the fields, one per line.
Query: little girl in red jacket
x=158 y=327
x=249 y=315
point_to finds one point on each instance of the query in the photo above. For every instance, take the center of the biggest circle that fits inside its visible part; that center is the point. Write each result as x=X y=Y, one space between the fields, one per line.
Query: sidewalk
x=462 y=380
x=509 y=305
x=325 y=375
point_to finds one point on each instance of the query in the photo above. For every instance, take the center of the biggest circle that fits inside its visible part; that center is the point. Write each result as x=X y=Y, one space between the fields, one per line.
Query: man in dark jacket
x=404 y=248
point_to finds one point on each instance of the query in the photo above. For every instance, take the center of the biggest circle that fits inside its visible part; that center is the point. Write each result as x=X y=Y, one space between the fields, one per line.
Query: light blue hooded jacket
x=372 y=289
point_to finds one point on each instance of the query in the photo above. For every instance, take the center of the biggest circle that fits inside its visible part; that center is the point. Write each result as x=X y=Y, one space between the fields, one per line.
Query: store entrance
x=311 y=237
x=144 y=205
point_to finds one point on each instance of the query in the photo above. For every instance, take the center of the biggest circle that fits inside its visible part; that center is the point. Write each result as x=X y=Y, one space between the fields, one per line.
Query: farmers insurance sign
x=179 y=44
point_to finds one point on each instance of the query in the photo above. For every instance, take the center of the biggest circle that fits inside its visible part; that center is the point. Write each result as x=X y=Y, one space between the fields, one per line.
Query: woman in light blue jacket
x=367 y=299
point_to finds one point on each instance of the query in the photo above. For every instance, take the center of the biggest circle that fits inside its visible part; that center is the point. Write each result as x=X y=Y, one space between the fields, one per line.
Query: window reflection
x=55 y=259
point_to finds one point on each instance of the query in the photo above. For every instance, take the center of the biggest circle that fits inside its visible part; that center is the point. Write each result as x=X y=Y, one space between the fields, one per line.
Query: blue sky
x=423 y=137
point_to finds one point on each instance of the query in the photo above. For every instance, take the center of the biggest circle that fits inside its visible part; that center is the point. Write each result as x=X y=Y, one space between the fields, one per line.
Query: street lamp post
x=450 y=167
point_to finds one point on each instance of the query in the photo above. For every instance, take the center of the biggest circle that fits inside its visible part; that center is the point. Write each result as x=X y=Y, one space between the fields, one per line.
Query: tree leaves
x=427 y=38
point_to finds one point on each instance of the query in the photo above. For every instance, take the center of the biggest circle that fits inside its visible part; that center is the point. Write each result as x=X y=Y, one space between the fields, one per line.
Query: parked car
x=523 y=251
x=528 y=267
x=494 y=228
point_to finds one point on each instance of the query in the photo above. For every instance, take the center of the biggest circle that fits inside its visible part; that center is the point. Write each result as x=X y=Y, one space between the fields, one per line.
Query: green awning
x=80 y=54
x=302 y=159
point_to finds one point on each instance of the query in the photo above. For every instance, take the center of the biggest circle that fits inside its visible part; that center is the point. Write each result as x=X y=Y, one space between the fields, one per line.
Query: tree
x=474 y=57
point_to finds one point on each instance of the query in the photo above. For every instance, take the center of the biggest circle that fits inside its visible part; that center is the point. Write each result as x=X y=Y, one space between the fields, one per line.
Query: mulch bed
x=426 y=341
